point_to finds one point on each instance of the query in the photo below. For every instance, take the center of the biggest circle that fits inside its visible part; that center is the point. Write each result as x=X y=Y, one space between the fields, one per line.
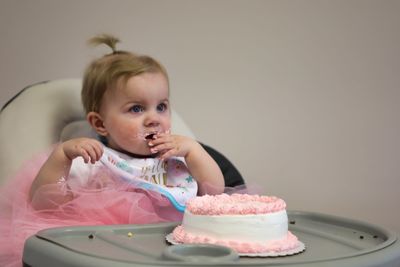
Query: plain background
x=302 y=96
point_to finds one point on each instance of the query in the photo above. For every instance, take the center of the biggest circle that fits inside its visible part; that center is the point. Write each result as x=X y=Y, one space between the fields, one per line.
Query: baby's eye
x=162 y=107
x=136 y=109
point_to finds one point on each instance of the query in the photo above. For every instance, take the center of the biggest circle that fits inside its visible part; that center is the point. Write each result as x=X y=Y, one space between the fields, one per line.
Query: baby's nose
x=152 y=119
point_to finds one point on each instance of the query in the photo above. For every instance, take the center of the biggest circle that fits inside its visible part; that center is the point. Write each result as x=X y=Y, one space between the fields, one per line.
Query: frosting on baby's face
x=147 y=136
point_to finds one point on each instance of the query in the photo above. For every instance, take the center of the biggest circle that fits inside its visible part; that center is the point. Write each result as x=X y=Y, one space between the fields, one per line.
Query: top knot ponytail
x=107 y=39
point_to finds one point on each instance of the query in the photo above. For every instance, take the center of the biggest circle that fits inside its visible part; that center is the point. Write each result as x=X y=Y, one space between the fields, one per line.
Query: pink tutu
x=104 y=201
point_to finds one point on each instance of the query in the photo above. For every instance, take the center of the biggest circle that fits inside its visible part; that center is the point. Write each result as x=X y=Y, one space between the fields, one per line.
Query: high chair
x=49 y=112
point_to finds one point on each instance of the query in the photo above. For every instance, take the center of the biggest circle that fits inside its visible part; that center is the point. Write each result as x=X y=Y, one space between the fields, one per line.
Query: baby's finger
x=159 y=140
x=92 y=153
x=98 y=148
x=167 y=154
x=87 y=152
x=162 y=147
x=84 y=155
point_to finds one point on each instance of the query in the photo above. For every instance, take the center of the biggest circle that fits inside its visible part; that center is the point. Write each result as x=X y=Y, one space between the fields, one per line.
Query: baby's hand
x=168 y=145
x=87 y=148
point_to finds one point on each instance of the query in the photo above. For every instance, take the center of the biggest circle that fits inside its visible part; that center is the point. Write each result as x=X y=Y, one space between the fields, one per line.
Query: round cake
x=249 y=224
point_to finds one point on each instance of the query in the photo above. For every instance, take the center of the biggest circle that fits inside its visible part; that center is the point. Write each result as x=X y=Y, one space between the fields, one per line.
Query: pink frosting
x=234 y=204
x=274 y=246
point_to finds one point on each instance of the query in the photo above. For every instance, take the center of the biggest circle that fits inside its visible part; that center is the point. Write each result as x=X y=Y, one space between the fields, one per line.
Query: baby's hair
x=106 y=39
x=106 y=72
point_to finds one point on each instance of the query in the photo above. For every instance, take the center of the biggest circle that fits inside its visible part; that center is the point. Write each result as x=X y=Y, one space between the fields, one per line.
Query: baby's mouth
x=153 y=134
x=150 y=136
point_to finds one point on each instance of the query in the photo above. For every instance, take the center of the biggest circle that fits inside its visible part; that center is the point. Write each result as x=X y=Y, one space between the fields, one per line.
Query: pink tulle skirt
x=104 y=201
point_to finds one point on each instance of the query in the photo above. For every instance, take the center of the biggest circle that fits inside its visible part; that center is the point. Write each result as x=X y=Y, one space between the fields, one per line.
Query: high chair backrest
x=44 y=114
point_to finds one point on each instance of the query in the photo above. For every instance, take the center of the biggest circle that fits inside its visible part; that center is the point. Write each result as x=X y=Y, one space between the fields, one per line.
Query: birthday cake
x=252 y=225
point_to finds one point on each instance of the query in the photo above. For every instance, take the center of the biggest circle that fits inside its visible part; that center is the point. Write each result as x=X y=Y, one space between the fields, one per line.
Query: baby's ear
x=96 y=121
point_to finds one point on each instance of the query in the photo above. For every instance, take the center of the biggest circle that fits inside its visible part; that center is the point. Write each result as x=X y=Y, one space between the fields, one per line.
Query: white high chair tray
x=329 y=240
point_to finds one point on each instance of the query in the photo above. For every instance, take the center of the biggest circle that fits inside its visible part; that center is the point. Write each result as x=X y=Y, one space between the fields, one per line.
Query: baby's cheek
x=127 y=127
x=166 y=125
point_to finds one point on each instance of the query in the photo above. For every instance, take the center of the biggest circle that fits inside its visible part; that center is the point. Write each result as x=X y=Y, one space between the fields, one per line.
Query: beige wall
x=303 y=96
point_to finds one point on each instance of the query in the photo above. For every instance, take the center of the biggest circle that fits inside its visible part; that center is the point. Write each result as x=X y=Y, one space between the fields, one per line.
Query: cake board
x=329 y=240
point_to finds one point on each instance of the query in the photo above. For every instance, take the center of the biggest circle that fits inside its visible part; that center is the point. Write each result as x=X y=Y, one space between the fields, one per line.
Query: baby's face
x=132 y=112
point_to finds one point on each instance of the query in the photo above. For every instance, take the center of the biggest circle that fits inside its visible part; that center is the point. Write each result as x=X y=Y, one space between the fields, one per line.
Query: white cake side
x=243 y=228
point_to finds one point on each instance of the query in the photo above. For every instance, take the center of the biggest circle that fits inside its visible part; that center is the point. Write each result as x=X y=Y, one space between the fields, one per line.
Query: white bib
x=169 y=178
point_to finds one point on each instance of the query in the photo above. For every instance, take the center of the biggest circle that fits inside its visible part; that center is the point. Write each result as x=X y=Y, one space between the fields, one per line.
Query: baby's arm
x=58 y=164
x=200 y=164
